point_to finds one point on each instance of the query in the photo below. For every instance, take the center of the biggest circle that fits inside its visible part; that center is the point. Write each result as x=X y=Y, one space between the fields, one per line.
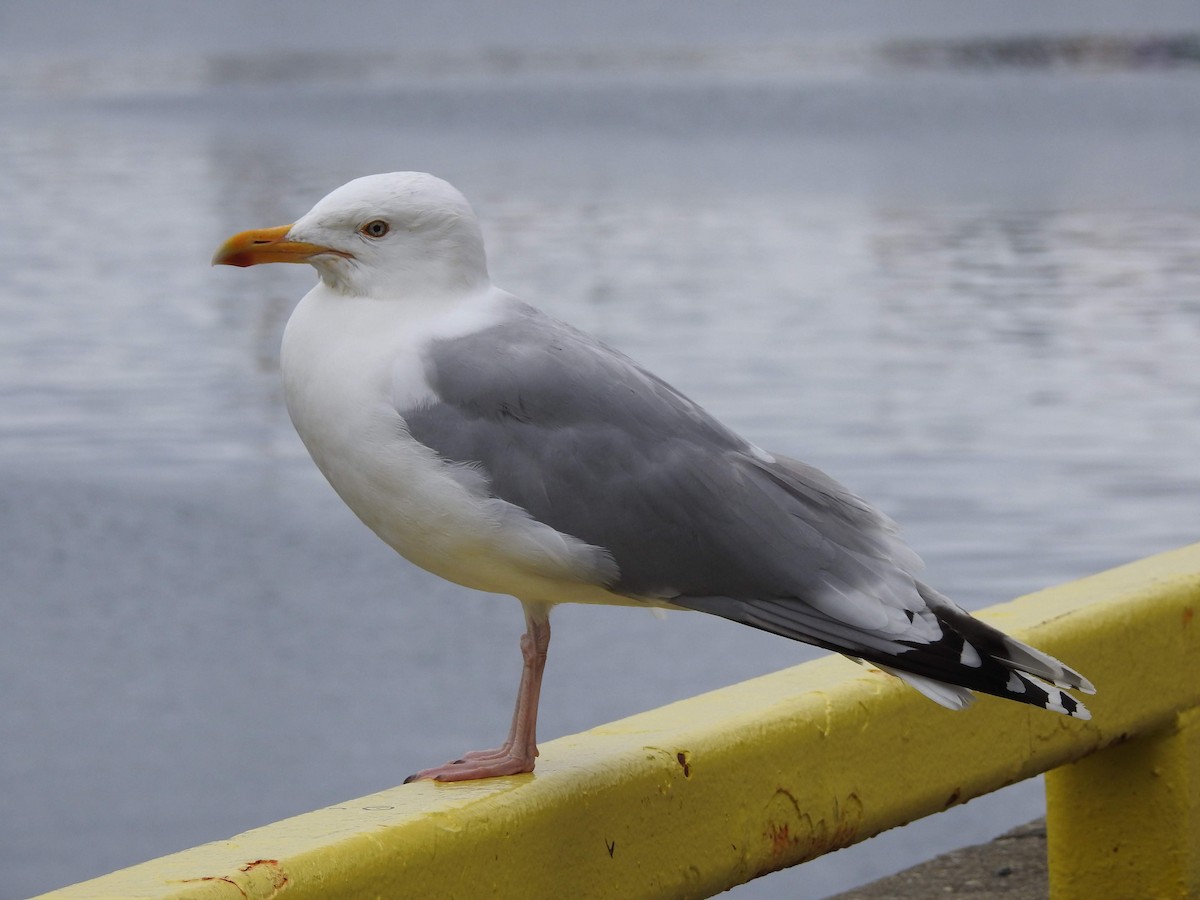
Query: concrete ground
x=1013 y=867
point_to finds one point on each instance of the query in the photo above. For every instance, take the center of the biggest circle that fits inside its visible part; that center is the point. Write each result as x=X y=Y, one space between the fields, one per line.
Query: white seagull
x=509 y=452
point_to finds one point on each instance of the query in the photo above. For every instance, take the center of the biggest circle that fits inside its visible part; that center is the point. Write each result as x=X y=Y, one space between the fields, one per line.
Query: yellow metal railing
x=693 y=798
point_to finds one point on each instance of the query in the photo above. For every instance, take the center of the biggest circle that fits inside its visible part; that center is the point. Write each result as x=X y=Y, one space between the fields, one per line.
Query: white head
x=382 y=236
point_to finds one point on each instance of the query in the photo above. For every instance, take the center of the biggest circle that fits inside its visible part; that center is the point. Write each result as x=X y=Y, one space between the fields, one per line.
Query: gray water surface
x=965 y=284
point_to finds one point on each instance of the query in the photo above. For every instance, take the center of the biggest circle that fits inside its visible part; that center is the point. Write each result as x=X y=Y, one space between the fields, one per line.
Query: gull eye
x=375 y=229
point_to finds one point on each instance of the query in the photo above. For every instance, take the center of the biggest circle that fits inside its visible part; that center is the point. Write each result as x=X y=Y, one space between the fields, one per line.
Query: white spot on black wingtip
x=1055 y=700
x=970 y=656
x=1062 y=702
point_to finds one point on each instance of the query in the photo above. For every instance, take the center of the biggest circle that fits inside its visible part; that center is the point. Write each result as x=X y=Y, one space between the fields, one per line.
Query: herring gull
x=506 y=451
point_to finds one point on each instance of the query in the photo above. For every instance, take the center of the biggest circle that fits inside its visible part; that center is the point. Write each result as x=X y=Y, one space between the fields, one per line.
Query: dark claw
x=411 y=778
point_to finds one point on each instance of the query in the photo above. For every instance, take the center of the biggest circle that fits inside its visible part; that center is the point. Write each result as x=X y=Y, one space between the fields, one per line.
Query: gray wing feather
x=589 y=443
x=593 y=445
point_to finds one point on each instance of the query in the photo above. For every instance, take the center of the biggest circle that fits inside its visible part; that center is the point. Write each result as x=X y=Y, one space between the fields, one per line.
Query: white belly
x=344 y=361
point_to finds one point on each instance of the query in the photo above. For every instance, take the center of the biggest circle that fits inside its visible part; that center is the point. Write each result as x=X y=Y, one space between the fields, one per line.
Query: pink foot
x=517 y=754
x=479 y=755
x=504 y=749
x=472 y=766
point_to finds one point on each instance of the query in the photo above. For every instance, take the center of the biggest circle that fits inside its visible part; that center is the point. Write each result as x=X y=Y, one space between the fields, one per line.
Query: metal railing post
x=1125 y=822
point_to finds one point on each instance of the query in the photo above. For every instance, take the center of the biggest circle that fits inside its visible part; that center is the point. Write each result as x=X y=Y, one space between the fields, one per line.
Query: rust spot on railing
x=279 y=879
x=683 y=758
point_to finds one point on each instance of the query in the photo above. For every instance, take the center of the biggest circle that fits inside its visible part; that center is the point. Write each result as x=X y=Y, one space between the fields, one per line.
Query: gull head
x=383 y=236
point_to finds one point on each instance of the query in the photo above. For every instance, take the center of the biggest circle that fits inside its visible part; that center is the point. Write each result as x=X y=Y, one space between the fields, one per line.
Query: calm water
x=965 y=281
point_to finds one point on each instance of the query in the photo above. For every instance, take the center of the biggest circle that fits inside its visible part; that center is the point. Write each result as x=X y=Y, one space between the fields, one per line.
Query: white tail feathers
x=948 y=695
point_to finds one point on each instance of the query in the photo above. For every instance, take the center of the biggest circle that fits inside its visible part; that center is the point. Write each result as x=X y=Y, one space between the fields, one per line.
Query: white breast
x=349 y=363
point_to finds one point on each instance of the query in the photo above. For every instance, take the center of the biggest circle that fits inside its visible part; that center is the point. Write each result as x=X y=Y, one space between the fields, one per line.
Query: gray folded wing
x=586 y=441
x=591 y=444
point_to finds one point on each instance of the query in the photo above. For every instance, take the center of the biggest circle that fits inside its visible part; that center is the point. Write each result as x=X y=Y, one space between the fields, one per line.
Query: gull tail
x=964 y=654
x=992 y=663
x=1021 y=687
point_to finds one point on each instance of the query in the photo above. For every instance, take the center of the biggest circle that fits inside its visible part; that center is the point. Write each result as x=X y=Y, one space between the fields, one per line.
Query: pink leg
x=517 y=753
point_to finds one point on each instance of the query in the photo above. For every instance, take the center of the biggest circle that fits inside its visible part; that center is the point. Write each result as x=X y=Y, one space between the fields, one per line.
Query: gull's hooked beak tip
x=259 y=245
x=267 y=245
